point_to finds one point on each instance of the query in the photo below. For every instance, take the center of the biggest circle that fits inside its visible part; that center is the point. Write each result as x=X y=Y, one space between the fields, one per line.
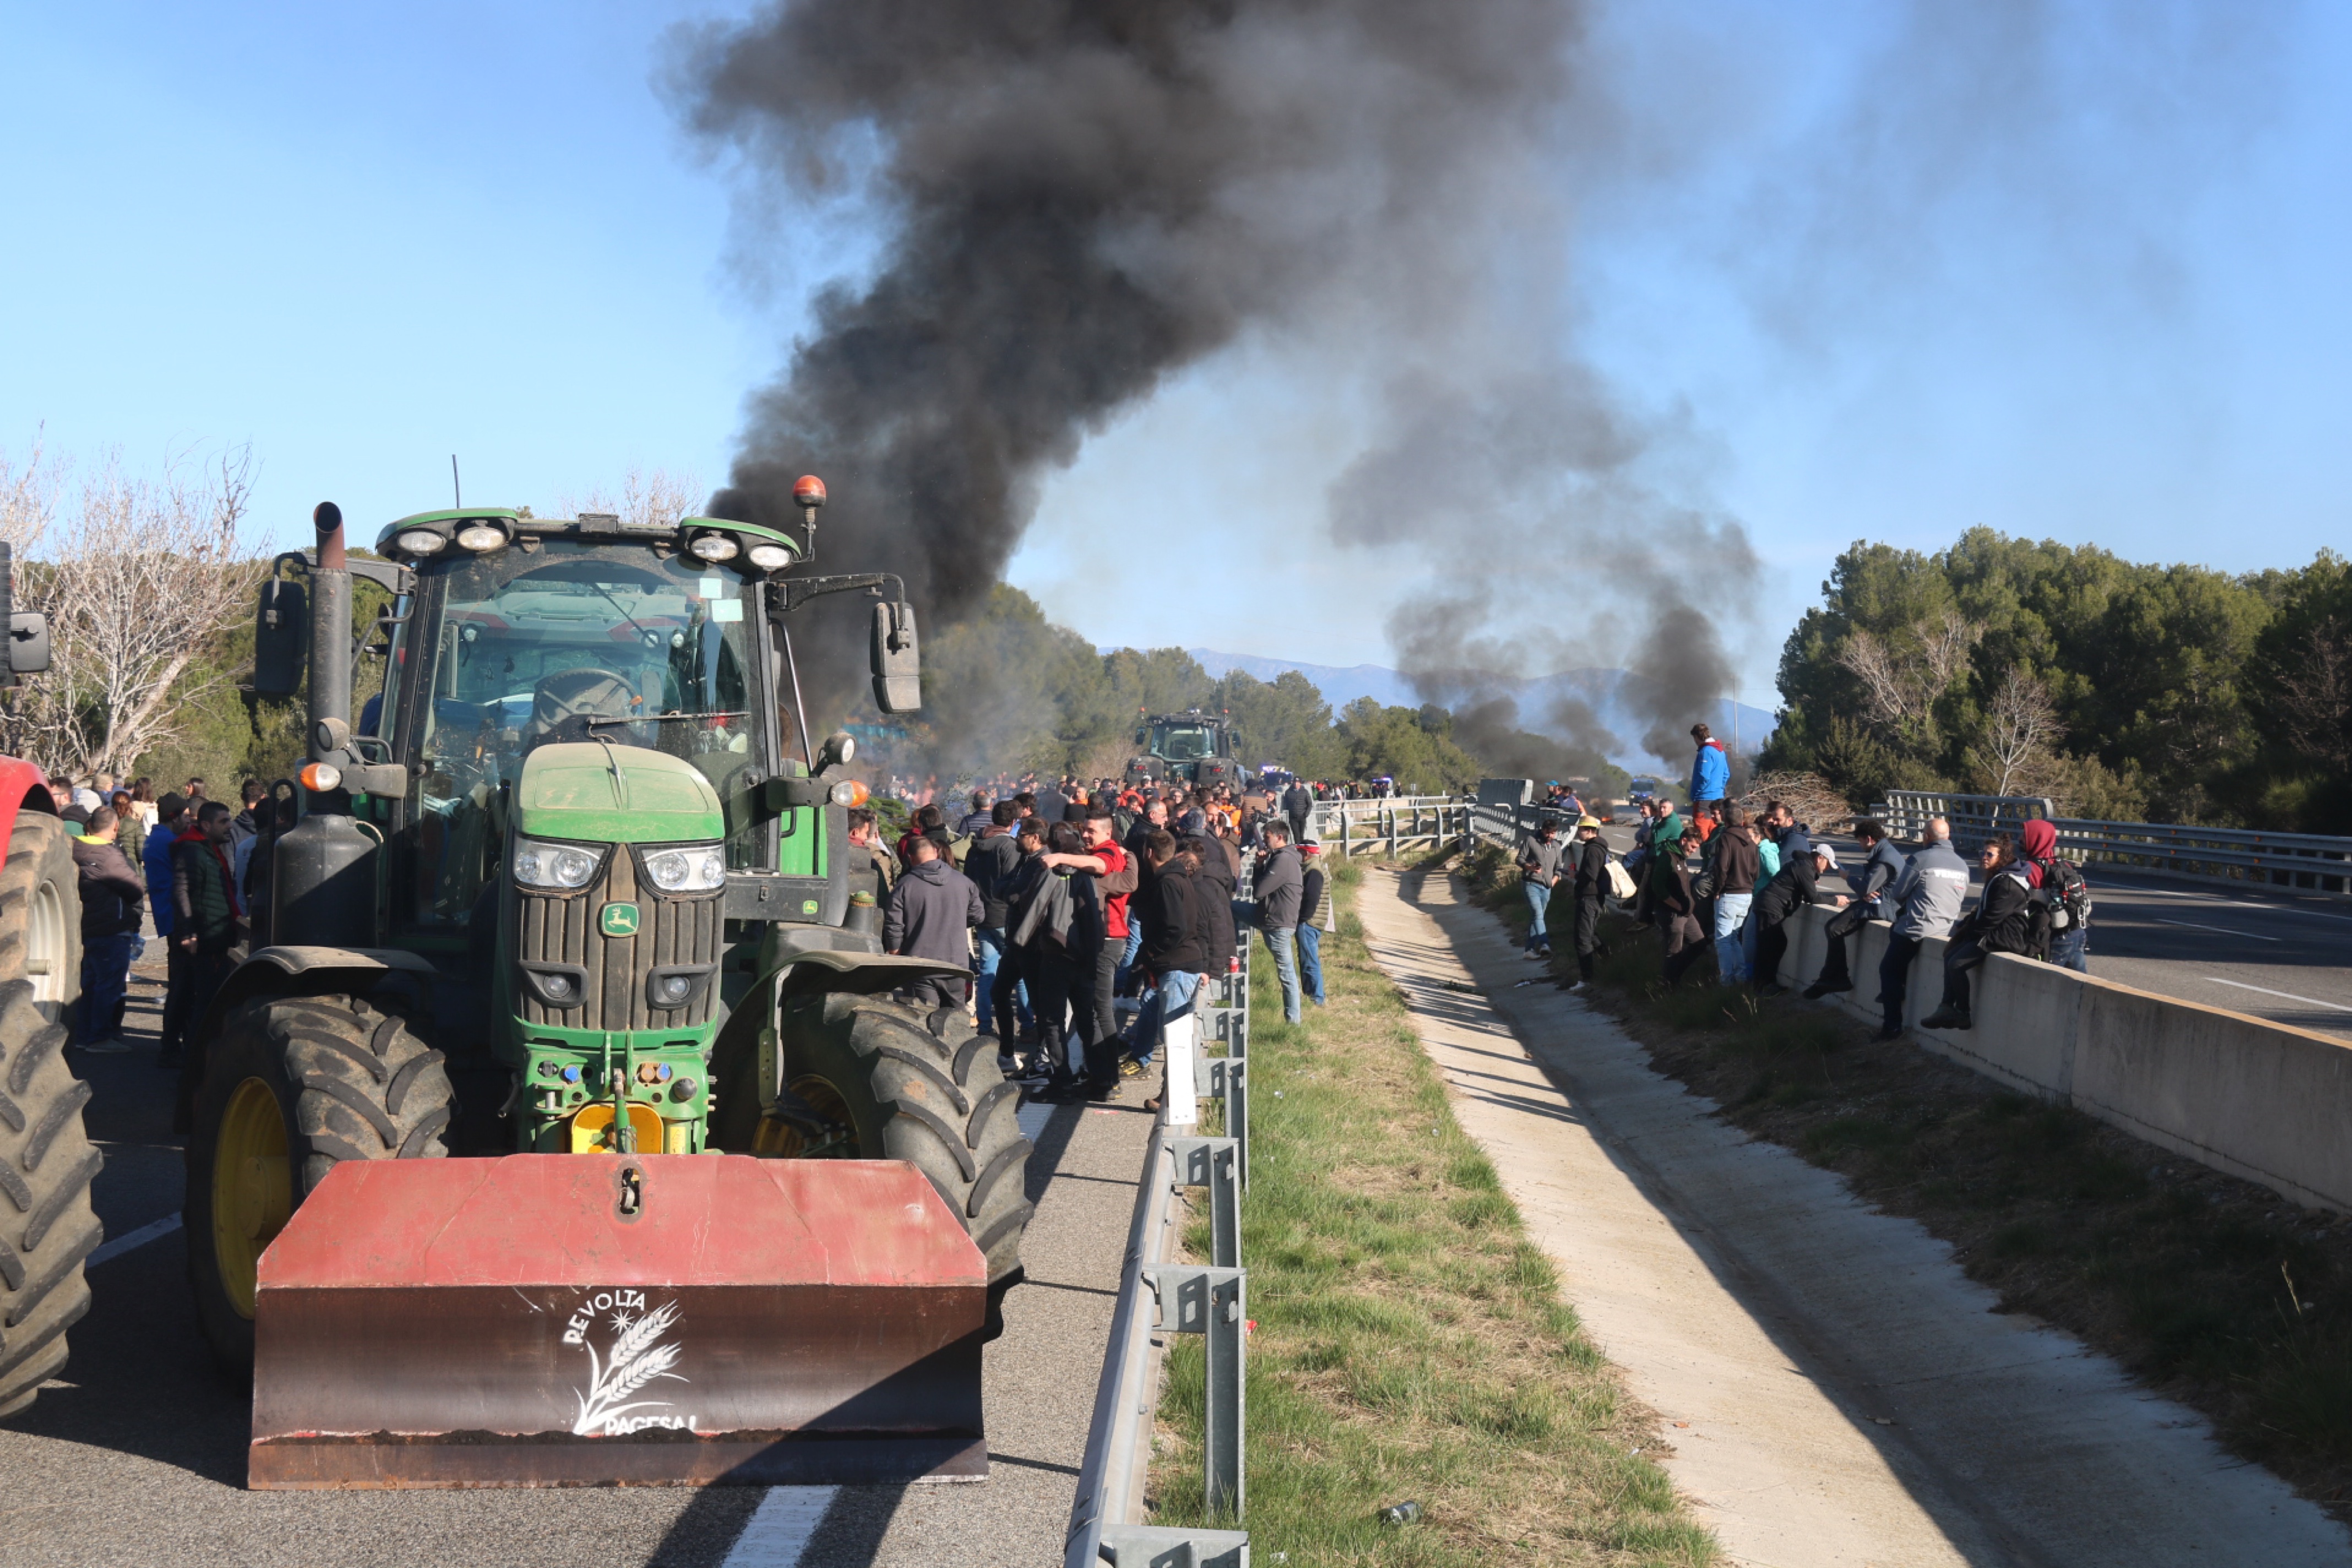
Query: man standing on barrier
x=1881 y=868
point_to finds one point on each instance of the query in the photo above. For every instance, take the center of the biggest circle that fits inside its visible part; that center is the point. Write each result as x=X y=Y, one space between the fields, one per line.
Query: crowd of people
x=1061 y=902
x=916 y=790
x=1727 y=881
x=190 y=859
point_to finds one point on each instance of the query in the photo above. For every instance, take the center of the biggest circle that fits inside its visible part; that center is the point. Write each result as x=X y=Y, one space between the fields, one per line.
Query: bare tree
x=1901 y=674
x=136 y=585
x=2021 y=726
x=646 y=499
x=28 y=499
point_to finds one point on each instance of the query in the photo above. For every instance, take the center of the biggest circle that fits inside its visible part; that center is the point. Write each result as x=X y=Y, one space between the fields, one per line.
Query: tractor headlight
x=480 y=536
x=421 y=541
x=714 y=547
x=770 y=557
x=564 y=867
x=697 y=869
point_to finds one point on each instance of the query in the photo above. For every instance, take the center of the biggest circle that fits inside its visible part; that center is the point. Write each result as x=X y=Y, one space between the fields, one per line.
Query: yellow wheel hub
x=253 y=1188
x=778 y=1140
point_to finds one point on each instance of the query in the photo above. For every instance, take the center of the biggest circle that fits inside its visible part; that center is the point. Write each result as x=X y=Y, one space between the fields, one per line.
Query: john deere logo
x=619 y=919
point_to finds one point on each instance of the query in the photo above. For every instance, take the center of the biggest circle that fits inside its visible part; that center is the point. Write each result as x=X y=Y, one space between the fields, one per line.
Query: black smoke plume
x=1083 y=198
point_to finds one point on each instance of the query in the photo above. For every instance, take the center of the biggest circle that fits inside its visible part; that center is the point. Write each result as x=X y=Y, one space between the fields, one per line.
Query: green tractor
x=575 y=885
x=1191 y=747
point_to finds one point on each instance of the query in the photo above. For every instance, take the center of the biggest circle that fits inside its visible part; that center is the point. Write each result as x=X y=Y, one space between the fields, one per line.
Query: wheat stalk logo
x=637 y=1357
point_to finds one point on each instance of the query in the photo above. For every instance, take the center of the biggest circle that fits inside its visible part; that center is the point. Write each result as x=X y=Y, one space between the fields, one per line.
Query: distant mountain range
x=1603 y=688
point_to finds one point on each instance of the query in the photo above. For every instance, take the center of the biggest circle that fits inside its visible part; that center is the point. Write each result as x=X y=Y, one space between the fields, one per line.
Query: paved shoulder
x=1849 y=1394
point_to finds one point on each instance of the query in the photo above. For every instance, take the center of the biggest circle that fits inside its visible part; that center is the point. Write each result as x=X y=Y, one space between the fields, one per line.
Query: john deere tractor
x=574 y=891
x=1193 y=746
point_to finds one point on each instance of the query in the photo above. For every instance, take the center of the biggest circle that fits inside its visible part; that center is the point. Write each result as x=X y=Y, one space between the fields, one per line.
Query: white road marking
x=781 y=1527
x=2225 y=930
x=2284 y=996
x=2236 y=906
x=137 y=1239
x=1032 y=1116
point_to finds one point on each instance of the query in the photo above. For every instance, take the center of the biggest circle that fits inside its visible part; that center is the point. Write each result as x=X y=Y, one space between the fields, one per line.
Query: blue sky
x=2100 y=299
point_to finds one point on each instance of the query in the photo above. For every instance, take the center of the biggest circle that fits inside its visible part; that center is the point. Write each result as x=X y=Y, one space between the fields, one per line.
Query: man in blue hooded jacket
x=1710 y=778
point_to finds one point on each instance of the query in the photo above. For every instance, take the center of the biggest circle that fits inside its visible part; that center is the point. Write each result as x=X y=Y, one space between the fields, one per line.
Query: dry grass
x=2214 y=1290
x=1410 y=1342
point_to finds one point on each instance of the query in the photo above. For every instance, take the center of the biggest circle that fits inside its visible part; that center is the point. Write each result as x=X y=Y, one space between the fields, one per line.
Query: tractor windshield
x=1184 y=743
x=572 y=641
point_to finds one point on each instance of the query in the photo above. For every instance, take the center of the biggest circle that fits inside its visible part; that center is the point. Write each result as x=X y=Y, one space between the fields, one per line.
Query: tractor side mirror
x=28 y=642
x=897 y=662
x=281 y=637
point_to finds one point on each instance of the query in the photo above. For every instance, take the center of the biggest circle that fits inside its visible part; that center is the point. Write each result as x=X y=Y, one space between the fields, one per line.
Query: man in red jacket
x=1115 y=875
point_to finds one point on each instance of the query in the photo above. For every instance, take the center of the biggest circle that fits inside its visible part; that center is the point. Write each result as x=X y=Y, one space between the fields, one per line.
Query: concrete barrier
x=2260 y=1101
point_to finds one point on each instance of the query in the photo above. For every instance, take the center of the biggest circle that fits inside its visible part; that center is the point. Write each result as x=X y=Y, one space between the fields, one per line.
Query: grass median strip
x=2216 y=1291
x=1410 y=1343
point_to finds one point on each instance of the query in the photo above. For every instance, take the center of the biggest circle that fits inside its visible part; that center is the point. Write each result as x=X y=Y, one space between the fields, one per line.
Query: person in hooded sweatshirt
x=2070 y=934
x=1591 y=888
x=1870 y=880
x=932 y=911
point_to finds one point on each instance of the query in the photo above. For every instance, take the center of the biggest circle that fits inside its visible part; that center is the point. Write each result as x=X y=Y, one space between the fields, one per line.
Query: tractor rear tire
x=925 y=1090
x=293 y=1087
x=47 y=1227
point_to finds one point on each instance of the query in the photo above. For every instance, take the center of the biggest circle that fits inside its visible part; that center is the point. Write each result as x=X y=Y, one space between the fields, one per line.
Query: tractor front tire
x=293 y=1087
x=925 y=1090
x=47 y=1227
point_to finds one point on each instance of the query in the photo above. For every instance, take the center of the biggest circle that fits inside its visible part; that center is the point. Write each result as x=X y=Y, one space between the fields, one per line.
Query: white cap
x=1828 y=854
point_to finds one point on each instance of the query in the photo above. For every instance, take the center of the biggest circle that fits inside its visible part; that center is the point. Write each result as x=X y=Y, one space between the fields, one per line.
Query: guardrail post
x=1144 y=1546
x=1215 y=1163
x=1214 y=1302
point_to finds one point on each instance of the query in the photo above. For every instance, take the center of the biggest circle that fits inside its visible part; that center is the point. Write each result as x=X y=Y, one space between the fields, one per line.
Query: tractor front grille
x=671 y=931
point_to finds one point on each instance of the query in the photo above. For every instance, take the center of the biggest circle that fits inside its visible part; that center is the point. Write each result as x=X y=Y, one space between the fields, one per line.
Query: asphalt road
x=2280 y=956
x=136 y=1457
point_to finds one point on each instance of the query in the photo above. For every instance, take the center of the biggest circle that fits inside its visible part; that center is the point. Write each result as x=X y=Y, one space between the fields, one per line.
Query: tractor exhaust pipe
x=323 y=881
x=331 y=640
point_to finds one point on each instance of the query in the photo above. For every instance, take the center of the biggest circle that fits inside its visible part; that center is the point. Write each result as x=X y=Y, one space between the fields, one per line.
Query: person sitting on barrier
x=1784 y=898
x=1927 y=901
x=1540 y=856
x=2002 y=922
x=1870 y=880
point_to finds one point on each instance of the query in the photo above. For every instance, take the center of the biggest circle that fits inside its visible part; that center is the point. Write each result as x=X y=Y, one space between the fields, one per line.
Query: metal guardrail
x=1391 y=826
x=1158 y=1298
x=2241 y=858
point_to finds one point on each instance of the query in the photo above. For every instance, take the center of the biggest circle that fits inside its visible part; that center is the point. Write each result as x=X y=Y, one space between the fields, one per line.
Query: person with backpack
x=2002 y=922
x=2063 y=892
x=1870 y=880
